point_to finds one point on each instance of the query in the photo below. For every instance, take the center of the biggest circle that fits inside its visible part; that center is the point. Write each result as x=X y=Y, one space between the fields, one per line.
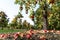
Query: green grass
x=12 y=30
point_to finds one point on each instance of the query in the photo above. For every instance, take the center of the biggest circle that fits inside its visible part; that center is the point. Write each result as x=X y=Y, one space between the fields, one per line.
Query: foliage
x=3 y=19
x=46 y=16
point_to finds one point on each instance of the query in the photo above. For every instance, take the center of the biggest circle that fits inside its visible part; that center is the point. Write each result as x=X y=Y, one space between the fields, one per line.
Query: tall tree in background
x=3 y=20
x=46 y=16
x=13 y=24
x=19 y=20
x=16 y=22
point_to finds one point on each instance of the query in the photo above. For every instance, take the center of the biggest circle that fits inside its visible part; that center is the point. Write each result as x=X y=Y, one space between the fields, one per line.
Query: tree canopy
x=3 y=19
x=46 y=16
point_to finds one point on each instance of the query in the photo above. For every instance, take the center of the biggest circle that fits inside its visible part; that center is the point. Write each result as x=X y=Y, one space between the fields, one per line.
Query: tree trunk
x=45 y=19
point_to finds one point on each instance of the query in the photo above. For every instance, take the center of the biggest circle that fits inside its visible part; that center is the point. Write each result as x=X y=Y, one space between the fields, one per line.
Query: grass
x=12 y=30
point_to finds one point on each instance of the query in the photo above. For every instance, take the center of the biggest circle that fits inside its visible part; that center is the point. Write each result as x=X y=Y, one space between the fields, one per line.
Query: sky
x=12 y=10
x=9 y=8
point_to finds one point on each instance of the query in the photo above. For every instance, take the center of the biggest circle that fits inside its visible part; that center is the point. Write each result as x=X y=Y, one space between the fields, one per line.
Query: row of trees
x=47 y=15
x=16 y=22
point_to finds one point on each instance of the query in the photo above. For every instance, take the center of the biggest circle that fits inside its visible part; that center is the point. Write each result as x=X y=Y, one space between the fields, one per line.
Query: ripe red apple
x=15 y=35
x=45 y=31
x=28 y=35
x=31 y=31
x=2 y=35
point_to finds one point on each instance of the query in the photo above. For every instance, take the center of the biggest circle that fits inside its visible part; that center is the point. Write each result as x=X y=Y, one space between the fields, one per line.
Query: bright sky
x=12 y=9
x=9 y=8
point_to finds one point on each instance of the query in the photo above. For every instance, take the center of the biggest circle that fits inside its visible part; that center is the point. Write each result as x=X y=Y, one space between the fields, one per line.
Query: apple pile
x=28 y=35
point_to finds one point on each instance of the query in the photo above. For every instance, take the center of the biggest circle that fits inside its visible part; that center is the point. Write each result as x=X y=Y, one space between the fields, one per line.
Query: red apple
x=3 y=35
x=28 y=35
x=45 y=31
x=15 y=35
x=31 y=31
